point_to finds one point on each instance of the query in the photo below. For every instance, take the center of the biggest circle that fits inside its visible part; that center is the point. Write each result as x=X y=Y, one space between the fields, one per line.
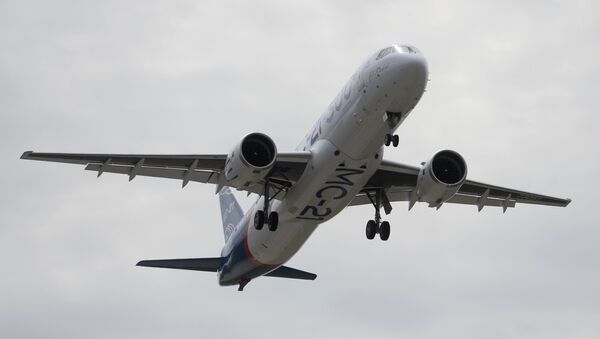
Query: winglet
x=26 y=154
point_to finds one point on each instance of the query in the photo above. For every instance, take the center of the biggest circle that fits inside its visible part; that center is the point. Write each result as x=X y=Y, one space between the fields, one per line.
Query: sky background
x=514 y=88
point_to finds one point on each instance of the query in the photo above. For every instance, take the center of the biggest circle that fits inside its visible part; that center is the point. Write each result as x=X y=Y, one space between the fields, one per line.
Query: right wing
x=399 y=182
x=194 y=167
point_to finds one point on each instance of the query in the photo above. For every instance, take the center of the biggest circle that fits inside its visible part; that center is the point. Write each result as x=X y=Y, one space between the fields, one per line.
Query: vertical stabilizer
x=231 y=212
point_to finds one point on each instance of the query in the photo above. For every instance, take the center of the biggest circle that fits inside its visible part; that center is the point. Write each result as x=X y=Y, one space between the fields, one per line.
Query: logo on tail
x=231 y=212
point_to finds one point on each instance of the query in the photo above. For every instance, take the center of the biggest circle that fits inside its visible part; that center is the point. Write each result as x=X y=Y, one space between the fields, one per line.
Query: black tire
x=384 y=231
x=388 y=139
x=259 y=219
x=371 y=229
x=395 y=140
x=273 y=221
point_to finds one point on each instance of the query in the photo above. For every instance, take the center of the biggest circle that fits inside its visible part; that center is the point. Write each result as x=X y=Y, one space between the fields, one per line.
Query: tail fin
x=231 y=212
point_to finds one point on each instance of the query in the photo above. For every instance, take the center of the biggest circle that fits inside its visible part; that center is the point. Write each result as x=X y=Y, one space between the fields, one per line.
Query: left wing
x=398 y=182
x=204 y=168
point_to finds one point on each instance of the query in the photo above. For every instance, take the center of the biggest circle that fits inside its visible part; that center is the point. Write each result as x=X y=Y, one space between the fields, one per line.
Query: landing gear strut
x=393 y=120
x=377 y=226
x=273 y=217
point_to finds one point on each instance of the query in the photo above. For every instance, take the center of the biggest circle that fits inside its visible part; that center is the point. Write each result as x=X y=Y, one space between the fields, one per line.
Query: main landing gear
x=377 y=226
x=259 y=216
x=392 y=140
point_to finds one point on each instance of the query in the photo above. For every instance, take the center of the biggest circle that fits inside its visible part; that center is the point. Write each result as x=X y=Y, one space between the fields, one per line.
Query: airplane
x=339 y=163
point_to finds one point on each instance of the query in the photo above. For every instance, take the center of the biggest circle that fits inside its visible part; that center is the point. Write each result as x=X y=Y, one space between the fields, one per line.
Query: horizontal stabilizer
x=291 y=273
x=195 y=264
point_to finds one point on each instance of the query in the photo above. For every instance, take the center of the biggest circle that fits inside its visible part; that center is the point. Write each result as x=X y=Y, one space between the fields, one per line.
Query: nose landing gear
x=377 y=226
x=392 y=140
x=393 y=120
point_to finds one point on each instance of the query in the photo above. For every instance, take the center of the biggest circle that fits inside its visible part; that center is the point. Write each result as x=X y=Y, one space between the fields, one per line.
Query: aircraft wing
x=398 y=181
x=204 y=168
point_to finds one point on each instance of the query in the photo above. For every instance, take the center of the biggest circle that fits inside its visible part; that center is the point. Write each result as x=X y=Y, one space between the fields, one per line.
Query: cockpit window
x=408 y=49
x=397 y=49
x=385 y=52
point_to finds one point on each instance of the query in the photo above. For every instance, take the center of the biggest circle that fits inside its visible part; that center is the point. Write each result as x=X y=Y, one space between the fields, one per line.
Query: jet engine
x=250 y=160
x=441 y=177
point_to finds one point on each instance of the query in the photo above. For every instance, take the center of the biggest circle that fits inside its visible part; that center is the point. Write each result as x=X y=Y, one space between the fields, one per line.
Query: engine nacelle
x=441 y=177
x=250 y=160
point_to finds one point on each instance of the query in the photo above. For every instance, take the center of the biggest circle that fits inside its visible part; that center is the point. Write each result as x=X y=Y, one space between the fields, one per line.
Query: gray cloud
x=513 y=88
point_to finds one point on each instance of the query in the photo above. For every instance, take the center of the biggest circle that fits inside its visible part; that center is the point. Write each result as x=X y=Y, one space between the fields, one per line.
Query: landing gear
x=392 y=140
x=259 y=217
x=388 y=139
x=384 y=231
x=371 y=229
x=377 y=226
x=273 y=221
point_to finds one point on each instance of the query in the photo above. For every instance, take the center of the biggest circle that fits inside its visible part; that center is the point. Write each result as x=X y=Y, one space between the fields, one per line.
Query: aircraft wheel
x=371 y=229
x=395 y=140
x=273 y=221
x=384 y=231
x=388 y=139
x=259 y=219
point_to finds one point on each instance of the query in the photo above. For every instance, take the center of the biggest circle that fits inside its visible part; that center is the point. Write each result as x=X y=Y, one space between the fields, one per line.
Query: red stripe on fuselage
x=247 y=247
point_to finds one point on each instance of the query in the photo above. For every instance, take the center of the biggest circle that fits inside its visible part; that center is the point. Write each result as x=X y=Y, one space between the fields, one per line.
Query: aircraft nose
x=409 y=76
x=411 y=69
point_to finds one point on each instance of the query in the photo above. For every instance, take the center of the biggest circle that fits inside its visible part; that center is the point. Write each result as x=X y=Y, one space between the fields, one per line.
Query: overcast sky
x=514 y=88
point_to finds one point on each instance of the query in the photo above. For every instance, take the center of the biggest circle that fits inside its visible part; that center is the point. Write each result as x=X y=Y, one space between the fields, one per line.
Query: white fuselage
x=346 y=146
